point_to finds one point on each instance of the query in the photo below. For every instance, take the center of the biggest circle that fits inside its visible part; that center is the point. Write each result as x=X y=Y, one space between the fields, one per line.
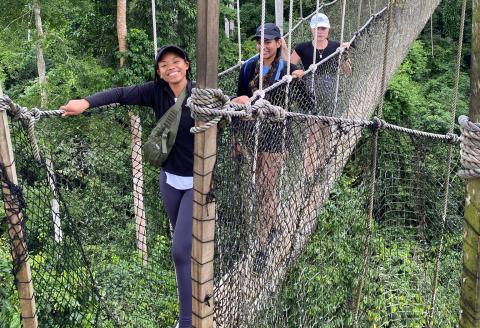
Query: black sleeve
x=242 y=88
x=141 y=95
x=299 y=49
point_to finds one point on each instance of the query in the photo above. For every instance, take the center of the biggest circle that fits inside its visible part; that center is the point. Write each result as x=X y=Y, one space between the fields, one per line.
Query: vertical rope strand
x=239 y=35
x=342 y=31
x=359 y=14
x=385 y=59
x=314 y=49
x=373 y=172
x=449 y=166
x=366 y=253
x=290 y=19
x=262 y=43
x=154 y=29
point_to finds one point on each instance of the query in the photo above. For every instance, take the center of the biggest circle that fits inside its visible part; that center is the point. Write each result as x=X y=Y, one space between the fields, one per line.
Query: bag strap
x=173 y=111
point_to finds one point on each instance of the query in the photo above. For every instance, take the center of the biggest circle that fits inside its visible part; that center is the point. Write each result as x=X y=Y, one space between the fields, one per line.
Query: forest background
x=81 y=54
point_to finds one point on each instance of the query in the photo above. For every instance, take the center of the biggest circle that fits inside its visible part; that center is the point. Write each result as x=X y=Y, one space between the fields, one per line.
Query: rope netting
x=292 y=191
x=290 y=255
x=101 y=258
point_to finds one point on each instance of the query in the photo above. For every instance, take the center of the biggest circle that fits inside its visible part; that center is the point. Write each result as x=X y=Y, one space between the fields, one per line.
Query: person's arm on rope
x=140 y=95
x=346 y=65
x=243 y=90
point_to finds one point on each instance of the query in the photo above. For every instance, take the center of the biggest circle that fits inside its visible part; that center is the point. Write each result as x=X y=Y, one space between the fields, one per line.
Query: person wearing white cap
x=324 y=47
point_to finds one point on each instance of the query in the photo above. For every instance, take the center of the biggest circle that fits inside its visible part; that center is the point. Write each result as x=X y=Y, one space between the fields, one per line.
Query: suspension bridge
x=346 y=181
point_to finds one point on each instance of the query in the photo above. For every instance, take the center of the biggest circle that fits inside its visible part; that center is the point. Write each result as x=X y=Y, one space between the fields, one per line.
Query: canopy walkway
x=339 y=180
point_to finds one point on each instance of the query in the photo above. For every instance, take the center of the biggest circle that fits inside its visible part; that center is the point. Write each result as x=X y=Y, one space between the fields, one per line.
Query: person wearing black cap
x=271 y=151
x=172 y=78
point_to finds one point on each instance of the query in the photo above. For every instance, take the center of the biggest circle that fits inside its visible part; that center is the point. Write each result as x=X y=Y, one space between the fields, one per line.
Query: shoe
x=259 y=262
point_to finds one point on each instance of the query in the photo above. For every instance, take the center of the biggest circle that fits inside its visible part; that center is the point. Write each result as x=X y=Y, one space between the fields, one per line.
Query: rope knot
x=469 y=148
x=287 y=78
x=259 y=93
x=313 y=67
x=453 y=138
x=35 y=116
x=378 y=123
x=206 y=105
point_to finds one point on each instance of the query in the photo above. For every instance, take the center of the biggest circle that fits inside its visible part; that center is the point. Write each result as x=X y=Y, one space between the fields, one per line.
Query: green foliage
x=420 y=94
x=9 y=311
x=139 y=66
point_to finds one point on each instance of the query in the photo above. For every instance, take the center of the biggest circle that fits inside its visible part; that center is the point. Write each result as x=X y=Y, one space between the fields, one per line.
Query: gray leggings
x=178 y=204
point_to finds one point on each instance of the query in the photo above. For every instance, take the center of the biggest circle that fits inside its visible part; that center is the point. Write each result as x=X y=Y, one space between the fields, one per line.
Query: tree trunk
x=136 y=131
x=470 y=293
x=279 y=14
x=122 y=28
x=42 y=79
x=229 y=24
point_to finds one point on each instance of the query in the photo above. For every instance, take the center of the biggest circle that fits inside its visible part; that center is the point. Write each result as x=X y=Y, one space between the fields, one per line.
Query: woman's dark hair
x=255 y=82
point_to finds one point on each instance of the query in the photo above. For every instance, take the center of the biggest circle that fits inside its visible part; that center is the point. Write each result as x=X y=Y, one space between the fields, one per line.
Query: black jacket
x=159 y=96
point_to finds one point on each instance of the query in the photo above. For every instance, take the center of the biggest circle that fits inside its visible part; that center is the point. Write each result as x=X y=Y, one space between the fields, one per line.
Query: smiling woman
x=172 y=82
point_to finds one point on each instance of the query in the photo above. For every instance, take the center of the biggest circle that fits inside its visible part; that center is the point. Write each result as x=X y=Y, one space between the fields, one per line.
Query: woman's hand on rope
x=345 y=45
x=299 y=73
x=242 y=100
x=75 y=107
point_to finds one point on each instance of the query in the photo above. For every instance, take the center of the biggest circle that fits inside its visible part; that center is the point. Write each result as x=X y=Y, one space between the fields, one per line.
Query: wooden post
x=470 y=293
x=204 y=214
x=23 y=275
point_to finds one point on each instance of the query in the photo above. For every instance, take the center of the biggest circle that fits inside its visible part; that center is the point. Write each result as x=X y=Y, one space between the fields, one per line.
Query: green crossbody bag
x=162 y=138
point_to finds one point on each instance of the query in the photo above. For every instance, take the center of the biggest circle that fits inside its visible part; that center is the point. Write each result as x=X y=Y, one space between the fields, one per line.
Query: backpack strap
x=247 y=64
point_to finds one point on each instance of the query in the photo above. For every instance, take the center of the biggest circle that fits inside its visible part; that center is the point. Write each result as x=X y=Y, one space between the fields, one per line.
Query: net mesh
x=291 y=229
x=89 y=255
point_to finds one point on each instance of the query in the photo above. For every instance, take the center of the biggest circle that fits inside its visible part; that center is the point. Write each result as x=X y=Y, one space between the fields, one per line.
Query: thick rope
x=239 y=35
x=30 y=117
x=449 y=166
x=469 y=148
x=210 y=104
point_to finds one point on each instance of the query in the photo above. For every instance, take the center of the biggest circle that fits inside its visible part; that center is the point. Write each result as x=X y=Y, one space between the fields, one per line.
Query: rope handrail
x=212 y=104
x=303 y=19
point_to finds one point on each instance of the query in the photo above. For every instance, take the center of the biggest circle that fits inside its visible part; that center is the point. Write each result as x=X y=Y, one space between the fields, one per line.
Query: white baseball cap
x=319 y=20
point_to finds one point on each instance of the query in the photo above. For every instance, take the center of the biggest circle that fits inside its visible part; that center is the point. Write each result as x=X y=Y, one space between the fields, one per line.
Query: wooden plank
x=203 y=228
x=23 y=275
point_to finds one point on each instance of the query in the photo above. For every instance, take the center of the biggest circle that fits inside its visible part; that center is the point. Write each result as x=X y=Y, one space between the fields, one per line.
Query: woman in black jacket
x=172 y=78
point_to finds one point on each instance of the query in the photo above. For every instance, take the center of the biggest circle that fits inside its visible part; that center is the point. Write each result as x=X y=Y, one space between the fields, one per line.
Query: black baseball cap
x=171 y=48
x=271 y=32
